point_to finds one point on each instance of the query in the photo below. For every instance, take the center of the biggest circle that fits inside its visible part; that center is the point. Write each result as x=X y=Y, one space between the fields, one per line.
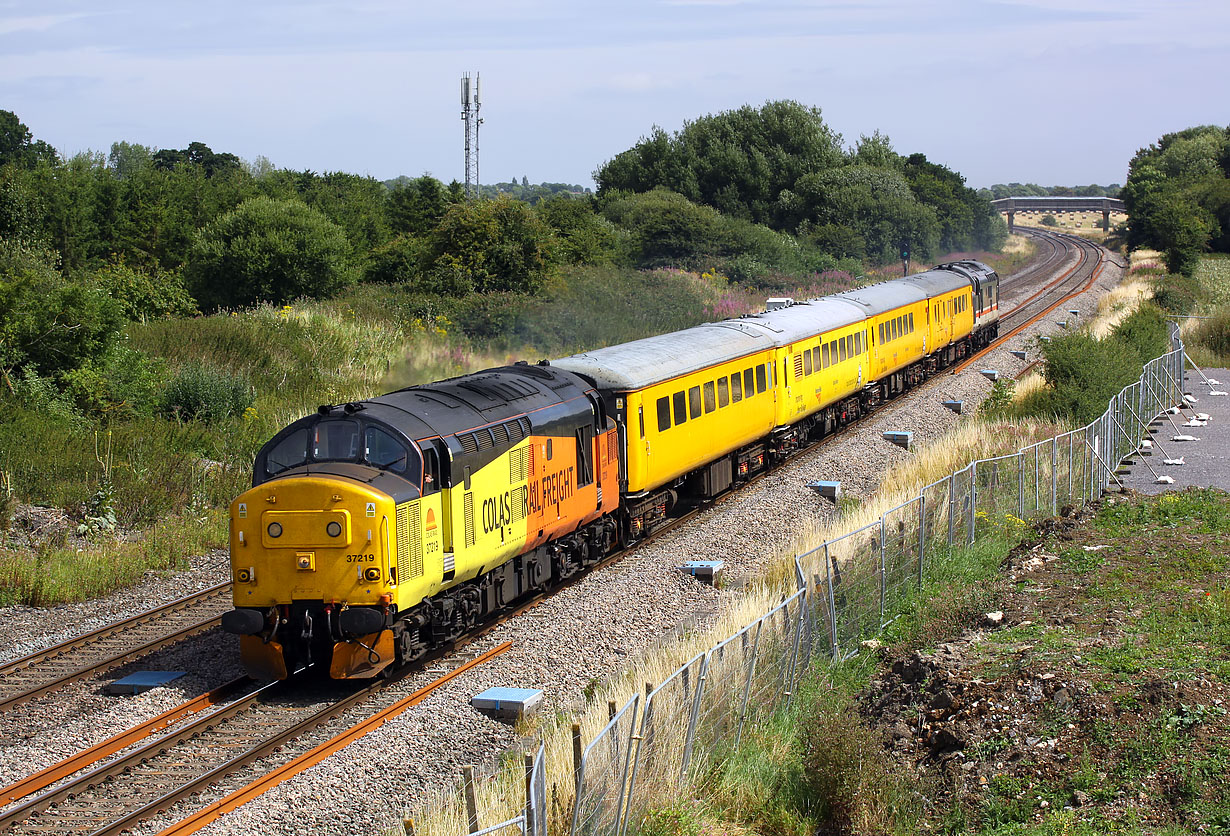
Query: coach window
x=694 y=402
x=710 y=398
x=858 y=342
x=841 y=349
x=824 y=356
x=664 y=414
x=761 y=380
x=723 y=389
x=749 y=386
x=911 y=322
x=289 y=452
x=736 y=388
x=681 y=407
x=807 y=362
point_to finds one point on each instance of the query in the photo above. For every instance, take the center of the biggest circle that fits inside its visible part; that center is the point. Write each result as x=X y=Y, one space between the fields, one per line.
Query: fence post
x=828 y=577
x=694 y=718
x=973 y=502
x=531 y=825
x=1020 y=485
x=922 y=535
x=883 y=570
x=751 y=676
x=467 y=783
x=1054 y=476
x=952 y=503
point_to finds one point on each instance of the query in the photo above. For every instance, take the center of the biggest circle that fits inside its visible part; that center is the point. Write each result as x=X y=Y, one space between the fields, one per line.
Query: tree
x=128 y=158
x=49 y=324
x=199 y=154
x=739 y=161
x=268 y=250
x=584 y=237
x=18 y=146
x=490 y=245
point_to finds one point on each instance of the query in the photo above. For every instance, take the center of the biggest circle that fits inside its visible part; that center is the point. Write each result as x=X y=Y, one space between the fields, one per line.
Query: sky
x=1054 y=92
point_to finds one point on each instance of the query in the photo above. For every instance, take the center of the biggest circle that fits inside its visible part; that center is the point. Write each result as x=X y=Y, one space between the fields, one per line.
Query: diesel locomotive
x=379 y=529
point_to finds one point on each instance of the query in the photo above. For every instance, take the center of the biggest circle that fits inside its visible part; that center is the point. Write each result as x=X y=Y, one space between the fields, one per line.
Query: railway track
x=1031 y=303
x=24 y=679
x=117 y=795
x=87 y=805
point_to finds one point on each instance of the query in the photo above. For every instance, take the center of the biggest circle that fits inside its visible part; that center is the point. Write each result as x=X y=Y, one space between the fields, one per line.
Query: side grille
x=467 y=504
x=798 y=365
x=409 y=541
x=468 y=443
x=613 y=445
x=519 y=464
x=518 y=504
x=501 y=434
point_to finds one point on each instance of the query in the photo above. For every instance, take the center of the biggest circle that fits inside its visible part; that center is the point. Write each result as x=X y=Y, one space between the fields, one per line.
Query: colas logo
x=431 y=520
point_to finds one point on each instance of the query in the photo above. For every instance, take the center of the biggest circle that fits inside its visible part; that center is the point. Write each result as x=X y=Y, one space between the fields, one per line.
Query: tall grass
x=57 y=572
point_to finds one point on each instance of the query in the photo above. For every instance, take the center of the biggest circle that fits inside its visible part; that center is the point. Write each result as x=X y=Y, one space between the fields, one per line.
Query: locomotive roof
x=878 y=298
x=475 y=400
x=644 y=362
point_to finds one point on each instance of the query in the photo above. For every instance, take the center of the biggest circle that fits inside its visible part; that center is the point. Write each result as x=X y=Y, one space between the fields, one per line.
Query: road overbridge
x=1056 y=205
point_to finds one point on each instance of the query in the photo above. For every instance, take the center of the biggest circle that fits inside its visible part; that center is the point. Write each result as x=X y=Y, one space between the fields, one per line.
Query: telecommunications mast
x=470 y=105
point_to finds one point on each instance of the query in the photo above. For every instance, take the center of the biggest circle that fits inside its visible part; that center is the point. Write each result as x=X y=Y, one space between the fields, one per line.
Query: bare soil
x=1094 y=697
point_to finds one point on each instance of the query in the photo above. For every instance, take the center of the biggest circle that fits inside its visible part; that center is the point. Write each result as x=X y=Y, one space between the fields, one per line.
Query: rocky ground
x=1094 y=698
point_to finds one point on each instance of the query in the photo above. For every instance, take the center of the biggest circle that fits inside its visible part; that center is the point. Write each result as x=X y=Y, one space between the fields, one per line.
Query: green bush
x=1214 y=333
x=142 y=295
x=1176 y=293
x=205 y=393
x=268 y=250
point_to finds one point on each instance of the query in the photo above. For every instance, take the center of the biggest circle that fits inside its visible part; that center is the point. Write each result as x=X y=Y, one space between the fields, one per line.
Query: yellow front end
x=304 y=550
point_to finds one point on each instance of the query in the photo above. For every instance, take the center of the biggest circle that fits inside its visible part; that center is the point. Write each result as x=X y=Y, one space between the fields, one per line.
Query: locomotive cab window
x=290 y=452
x=384 y=451
x=431 y=471
x=336 y=441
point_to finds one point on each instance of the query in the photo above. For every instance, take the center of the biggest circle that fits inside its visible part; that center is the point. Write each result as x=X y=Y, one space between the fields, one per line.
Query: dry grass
x=1117 y=305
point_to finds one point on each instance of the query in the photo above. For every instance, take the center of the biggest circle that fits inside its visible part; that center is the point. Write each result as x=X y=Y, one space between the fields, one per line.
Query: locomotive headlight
x=334 y=529
x=275 y=530
x=371 y=574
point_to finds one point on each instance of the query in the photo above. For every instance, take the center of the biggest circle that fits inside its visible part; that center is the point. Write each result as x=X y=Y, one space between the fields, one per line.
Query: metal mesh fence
x=603 y=775
x=846 y=590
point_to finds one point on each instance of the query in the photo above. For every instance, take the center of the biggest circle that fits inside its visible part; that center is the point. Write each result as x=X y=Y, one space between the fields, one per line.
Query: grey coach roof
x=638 y=364
x=806 y=319
x=652 y=360
x=878 y=298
